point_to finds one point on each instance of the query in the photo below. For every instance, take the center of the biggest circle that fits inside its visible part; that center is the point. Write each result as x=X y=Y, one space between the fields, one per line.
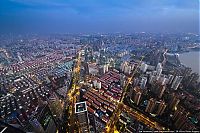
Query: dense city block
x=98 y=83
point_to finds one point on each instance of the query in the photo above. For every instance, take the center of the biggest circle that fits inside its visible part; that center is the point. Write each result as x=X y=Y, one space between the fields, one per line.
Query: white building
x=163 y=80
x=143 y=67
x=171 y=77
x=176 y=82
x=159 y=69
x=127 y=69
x=143 y=82
x=95 y=83
x=98 y=85
x=105 y=68
x=122 y=67
x=122 y=80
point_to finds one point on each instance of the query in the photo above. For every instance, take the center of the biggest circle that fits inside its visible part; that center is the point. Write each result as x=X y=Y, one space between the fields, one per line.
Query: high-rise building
x=150 y=105
x=136 y=95
x=122 y=80
x=36 y=126
x=44 y=122
x=189 y=126
x=152 y=79
x=112 y=63
x=158 y=89
x=127 y=69
x=143 y=82
x=191 y=79
x=102 y=58
x=88 y=54
x=7 y=128
x=82 y=116
x=103 y=69
x=143 y=67
x=19 y=57
x=159 y=69
x=176 y=82
x=122 y=66
x=86 y=68
x=158 y=108
x=163 y=80
x=173 y=102
x=161 y=90
x=170 y=79
x=94 y=83
x=187 y=72
x=180 y=117
x=155 y=107
x=98 y=85
x=136 y=81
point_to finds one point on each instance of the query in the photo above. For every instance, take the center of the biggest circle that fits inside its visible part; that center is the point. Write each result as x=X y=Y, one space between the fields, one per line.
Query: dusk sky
x=106 y=16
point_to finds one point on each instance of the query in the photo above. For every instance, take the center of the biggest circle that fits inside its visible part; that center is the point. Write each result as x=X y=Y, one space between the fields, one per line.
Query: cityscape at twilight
x=99 y=66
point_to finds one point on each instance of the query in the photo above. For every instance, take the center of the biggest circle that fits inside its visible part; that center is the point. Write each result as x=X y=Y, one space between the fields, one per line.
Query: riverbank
x=191 y=59
x=189 y=50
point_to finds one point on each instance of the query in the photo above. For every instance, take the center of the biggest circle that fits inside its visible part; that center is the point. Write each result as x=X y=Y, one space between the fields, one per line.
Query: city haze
x=106 y=16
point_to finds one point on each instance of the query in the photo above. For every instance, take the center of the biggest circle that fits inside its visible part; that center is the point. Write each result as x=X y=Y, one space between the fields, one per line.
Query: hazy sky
x=75 y=16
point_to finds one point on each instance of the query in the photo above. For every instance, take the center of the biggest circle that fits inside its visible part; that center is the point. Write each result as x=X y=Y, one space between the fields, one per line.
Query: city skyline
x=35 y=16
x=127 y=82
x=99 y=66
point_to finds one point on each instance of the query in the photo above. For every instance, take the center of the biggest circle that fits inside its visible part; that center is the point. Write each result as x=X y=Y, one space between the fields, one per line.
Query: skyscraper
x=102 y=58
x=136 y=95
x=155 y=107
x=143 y=67
x=180 y=117
x=122 y=66
x=152 y=79
x=161 y=90
x=19 y=57
x=122 y=80
x=86 y=68
x=163 y=80
x=158 y=89
x=191 y=79
x=173 y=102
x=6 y=128
x=159 y=69
x=170 y=77
x=150 y=105
x=143 y=82
x=176 y=82
x=82 y=116
x=127 y=69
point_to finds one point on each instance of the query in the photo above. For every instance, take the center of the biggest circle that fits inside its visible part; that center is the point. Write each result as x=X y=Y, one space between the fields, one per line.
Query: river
x=191 y=59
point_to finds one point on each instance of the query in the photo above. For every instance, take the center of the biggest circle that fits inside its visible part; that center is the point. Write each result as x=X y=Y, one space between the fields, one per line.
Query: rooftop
x=80 y=107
